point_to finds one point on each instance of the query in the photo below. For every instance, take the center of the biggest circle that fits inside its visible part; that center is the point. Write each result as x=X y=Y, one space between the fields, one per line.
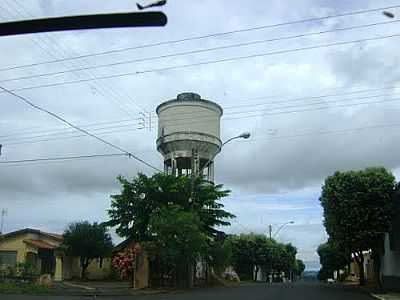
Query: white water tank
x=189 y=134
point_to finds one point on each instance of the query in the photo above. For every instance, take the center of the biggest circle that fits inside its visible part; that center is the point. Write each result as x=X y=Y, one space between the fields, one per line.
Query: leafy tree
x=284 y=257
x=299 y=267
x=331 y=258
x=87 y=241
x=174 y=217
x=220 y=255
x=252 y=252
x=243 y=260
x=357 y=210
x=144 y=196
x=180 y=238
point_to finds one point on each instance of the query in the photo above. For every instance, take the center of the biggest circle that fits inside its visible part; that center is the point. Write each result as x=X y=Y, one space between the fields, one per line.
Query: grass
x=23 y=288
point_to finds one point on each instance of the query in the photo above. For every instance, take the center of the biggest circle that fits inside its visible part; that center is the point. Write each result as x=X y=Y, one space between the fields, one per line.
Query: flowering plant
x=124 y=262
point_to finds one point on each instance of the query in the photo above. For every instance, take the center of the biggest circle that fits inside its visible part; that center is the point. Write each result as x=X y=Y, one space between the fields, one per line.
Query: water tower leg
x=210 y=172
x=173 y=165
x=195 y=162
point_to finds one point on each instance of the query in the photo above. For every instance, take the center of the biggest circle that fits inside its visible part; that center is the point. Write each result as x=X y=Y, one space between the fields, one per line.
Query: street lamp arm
x=244 y=135
x=280 y=228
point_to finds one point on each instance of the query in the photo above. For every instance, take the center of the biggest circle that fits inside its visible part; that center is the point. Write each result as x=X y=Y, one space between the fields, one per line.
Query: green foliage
x=26 y=270
x=332 y=258
x=254 y=252
x=299 y=267
x=220 y=255
x=144 y=197
x=87 y=241
x=23 y=288
x=174 y=218
x=324 y=274
x=358 y=207
x=179 y=234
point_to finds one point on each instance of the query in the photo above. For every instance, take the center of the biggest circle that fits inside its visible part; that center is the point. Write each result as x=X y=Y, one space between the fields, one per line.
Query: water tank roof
x=189 y=96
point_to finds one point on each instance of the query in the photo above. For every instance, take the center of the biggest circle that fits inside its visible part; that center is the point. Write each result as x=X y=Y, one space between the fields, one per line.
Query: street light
x=279 y=229
x=270 y=237
x=244 y=135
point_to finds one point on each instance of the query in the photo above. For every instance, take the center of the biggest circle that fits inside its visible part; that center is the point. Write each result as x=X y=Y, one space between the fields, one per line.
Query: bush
x=22 y=288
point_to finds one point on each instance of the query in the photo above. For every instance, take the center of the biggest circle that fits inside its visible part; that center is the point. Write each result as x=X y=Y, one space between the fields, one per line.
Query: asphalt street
x=298 y=291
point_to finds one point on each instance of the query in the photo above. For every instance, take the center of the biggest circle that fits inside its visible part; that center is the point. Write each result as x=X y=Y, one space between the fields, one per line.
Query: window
x=8 y=258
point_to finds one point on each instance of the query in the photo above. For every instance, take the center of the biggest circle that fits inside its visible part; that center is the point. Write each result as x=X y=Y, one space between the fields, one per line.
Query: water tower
x=189 y=135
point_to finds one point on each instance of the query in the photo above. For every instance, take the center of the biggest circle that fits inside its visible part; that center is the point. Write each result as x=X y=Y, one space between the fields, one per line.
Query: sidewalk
x=387 y=296
x=70 y=288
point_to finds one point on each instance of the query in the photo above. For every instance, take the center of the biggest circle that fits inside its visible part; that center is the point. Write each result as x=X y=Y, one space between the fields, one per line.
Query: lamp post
x=244 y=135
x=272 y=236
x=280 y=228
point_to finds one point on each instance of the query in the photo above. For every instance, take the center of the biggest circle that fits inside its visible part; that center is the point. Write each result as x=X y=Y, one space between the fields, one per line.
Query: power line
x=26 y=101
x=265 y=112
x=198 y=119
x=231 y=59
x=191 y=120
x=65 y=132
x=296 y=99
x=206 y=36
x=193 y=52
x=89 y=125
x=45 y=39
x=316 y=109
x=323 y=132
x=61 y=158
x=115 y=94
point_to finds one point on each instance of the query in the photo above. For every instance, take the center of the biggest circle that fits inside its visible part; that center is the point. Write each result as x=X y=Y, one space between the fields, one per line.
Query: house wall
x=70 y=265
x=390 y=267
x=15 y=244
x=95 y=272
x=72 y=268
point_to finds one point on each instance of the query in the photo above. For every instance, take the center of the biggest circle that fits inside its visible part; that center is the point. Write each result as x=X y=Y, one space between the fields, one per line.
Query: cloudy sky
x=325 y=101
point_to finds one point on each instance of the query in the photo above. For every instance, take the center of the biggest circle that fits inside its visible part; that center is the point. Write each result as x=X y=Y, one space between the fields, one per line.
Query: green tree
x=144 y=196
x=331 y=258
x=220 y=255
x=299 y=267
x=87 y=241
x=150 y=209
x=252 y=252
x=358 y=210
x=180 y=240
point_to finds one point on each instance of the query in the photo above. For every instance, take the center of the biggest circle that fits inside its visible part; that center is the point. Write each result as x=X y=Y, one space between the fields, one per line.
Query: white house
x=390 y=268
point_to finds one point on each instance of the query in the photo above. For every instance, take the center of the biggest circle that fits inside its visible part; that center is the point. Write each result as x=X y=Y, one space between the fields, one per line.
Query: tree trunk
x=377 y=269
x=360 y=263
x=256 y=273
x=84 y=265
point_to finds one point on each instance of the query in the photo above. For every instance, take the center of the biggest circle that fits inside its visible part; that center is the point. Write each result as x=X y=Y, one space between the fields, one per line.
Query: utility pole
x=270 y=231
x=3 y=213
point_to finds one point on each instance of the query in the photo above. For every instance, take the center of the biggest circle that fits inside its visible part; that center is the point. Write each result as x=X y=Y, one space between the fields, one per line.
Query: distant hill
x=312 y=265
x=310 y=275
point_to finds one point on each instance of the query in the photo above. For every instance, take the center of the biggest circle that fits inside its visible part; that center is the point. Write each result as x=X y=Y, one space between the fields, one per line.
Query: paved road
x=297 y=291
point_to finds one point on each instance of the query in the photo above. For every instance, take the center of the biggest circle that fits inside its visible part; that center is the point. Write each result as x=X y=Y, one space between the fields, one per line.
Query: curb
x=377 y=296
x=93 y=293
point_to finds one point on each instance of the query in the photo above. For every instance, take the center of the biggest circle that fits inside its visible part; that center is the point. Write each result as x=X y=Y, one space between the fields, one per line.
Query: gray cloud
x=54 y=194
